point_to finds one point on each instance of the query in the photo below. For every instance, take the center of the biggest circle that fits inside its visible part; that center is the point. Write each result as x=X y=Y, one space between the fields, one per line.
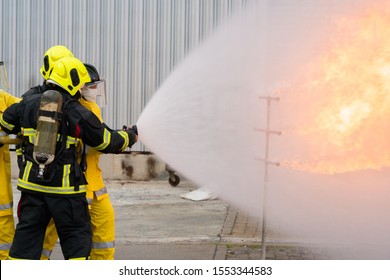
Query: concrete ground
x=153 y=222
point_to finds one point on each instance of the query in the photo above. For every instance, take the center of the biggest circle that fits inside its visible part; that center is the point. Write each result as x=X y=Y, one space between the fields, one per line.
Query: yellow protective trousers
x=7 y=231
x=103 y=228
x=7 y=224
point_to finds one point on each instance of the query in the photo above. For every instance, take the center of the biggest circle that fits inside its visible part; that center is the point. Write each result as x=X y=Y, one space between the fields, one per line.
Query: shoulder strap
x=64 y=136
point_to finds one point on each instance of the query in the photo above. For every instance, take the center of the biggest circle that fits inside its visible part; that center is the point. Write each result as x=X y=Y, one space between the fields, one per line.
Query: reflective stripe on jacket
x=64 y=173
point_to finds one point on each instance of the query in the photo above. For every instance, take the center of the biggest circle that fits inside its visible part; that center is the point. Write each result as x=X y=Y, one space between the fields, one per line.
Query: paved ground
x=154 y=222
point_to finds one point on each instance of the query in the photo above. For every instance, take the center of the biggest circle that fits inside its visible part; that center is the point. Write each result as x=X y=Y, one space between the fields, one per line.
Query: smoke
x=207 y=121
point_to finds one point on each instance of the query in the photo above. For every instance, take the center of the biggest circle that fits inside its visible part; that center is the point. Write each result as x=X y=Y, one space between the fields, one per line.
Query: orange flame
x=350 y=129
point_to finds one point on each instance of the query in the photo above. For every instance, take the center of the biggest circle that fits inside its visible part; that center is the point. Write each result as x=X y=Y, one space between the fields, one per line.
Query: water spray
x=331 y=184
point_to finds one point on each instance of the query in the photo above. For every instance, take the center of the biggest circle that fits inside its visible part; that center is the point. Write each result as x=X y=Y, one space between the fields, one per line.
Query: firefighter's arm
x=104 y=139
x=9 y=120
x=131 y=129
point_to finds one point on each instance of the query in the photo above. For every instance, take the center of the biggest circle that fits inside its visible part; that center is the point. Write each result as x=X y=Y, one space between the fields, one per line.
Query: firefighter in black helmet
x=60 y=192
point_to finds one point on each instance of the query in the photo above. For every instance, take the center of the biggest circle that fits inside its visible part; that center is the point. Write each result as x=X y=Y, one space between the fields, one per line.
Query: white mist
x=204 y=120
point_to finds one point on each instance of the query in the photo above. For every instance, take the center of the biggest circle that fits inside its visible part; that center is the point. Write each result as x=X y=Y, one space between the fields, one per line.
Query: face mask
x=95 y=92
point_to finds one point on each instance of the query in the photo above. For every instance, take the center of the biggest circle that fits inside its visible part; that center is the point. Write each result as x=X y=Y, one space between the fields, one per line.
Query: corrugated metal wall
x=135 y=44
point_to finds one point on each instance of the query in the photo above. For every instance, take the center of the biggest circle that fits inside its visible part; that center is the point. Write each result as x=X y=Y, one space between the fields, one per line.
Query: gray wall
x=135 y=44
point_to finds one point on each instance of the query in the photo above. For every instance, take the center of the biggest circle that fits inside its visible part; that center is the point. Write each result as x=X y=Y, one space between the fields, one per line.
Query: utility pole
x=267 y=132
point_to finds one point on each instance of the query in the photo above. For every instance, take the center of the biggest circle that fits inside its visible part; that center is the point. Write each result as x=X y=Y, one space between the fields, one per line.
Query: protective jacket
x=100 y=207
x=64 y=175
x=93 y=172
x=6 y=198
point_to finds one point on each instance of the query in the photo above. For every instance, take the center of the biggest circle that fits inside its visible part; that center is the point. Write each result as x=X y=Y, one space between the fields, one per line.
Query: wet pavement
x=153 y=222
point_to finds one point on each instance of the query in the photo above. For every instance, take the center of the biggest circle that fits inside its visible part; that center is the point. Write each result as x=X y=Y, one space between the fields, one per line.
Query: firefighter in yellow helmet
x=57 y=190
x=7 y=225
x=101 y=210
x=100 y=206
x=51 y=56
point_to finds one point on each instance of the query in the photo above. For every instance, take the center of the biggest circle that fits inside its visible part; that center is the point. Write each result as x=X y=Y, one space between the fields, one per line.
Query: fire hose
x=5 y=140
x=9 y=141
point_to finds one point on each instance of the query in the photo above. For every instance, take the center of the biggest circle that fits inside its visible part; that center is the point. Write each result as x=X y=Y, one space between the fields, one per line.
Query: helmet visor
x=4 y=82
x=95 y=92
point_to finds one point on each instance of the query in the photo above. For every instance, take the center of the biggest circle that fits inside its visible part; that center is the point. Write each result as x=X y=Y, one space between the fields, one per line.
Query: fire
x=349 y=128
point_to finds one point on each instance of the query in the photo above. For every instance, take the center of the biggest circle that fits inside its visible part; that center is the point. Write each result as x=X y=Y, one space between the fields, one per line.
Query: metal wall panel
x=135 y=44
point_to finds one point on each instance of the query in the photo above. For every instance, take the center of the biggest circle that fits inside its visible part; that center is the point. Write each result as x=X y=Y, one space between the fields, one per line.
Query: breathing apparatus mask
x=4 y=82
x=95 y=92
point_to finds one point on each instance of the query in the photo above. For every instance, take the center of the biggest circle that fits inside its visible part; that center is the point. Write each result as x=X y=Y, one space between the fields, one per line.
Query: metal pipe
x=266 y=161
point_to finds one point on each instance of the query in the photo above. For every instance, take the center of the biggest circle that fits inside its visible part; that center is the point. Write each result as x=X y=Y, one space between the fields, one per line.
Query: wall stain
x=151 y=165
x=132 y=167
x=127 y=168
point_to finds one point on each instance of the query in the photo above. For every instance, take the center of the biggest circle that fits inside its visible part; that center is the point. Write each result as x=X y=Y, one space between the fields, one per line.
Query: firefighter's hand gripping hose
x=133 y=133
x=135 y=129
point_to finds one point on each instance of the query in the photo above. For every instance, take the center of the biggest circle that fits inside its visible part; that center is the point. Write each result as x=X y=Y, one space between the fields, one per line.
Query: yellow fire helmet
x=52 y=55
x=70 y=74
